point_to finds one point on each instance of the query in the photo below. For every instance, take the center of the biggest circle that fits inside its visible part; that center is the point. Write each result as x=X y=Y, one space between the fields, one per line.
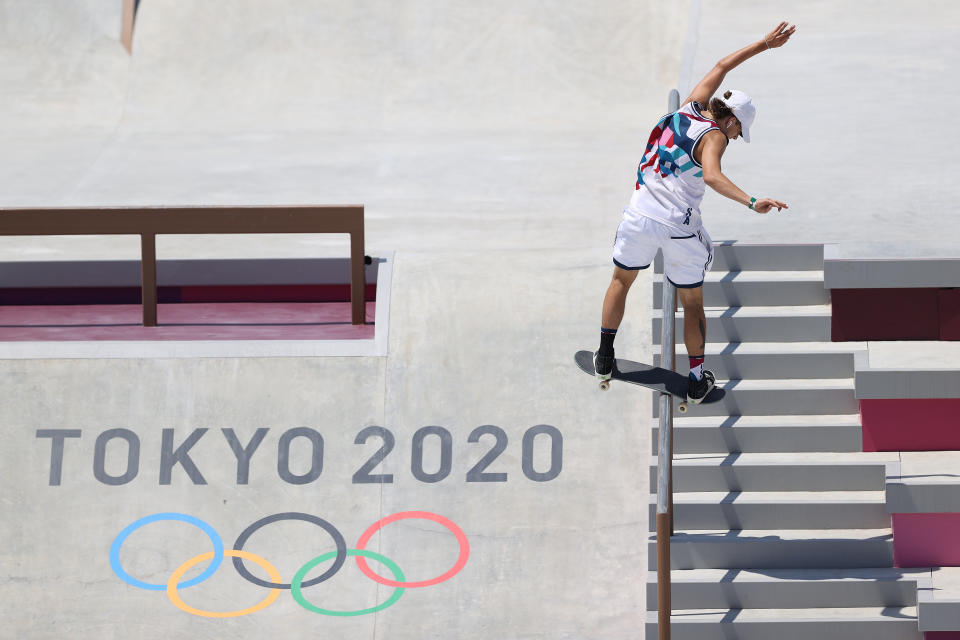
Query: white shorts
x=686 y=257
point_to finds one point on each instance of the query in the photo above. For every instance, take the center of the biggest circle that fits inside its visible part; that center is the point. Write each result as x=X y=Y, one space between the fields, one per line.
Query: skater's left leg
x=694 y=320
x=695 y=337
x=687 y=259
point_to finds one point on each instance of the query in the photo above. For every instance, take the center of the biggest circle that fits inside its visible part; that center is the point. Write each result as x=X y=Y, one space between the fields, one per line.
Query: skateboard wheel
x=682 y=407
x=604 y=385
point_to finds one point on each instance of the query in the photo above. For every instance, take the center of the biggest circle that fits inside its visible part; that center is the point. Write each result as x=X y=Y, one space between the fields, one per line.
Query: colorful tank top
x=670 y=182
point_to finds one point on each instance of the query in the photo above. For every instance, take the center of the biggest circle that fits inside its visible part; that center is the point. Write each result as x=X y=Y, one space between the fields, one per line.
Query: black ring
x=292 y=515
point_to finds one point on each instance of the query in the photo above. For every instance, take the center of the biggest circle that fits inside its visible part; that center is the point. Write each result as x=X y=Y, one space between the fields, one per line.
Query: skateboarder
x=682 y=157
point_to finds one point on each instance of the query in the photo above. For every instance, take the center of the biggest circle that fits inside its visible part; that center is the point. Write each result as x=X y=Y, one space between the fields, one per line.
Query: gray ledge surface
x=843 y=271
x=924 y=482
x=909 y=369
x=938 y=600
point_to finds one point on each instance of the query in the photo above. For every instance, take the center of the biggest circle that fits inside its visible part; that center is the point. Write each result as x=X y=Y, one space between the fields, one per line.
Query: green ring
x=302 y=573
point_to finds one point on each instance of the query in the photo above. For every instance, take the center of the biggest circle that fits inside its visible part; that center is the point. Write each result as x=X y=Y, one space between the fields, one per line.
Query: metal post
x=358 y=282
x=673 y=105
x=665 y=469
x=148 y=278
x=673 y=367
x=664 y=606
x=665 y=449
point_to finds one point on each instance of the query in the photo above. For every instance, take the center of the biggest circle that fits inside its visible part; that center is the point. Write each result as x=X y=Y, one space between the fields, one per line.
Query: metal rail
x=665 y=447
x=148 y=222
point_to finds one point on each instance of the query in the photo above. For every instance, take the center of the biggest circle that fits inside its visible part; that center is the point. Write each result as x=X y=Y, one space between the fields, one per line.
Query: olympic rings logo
x=297 y=584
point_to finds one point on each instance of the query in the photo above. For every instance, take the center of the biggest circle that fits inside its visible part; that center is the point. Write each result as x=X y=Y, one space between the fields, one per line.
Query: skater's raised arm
x=714 y=78
x=714 y=144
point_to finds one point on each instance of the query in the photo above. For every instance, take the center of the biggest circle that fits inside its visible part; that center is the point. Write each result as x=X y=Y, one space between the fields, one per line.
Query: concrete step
x=777 y=471
x=776 y=510
x=764 y=434
x=758 y=288
x=779 y=397
x=777 y=549
x=729 y=255
x=793 y=323
x=875 y=623
x=788 y=588
x=771 y=360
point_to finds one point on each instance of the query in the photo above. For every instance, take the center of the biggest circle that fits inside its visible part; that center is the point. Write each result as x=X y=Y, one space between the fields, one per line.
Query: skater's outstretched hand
x=763 y=205
x=714 y=78
x=779 y=36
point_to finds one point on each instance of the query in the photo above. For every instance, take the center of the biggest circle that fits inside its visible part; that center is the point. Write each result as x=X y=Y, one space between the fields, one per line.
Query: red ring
x=424 y=515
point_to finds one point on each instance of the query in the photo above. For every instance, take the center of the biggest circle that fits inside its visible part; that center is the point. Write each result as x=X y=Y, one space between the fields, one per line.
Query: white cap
x=742 y=107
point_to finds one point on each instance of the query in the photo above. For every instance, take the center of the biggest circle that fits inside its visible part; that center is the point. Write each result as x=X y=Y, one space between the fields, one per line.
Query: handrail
x=665 y=447
x=148 y=222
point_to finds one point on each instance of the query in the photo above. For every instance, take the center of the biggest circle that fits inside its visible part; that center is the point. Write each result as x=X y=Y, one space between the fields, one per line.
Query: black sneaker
x=603 y=365
x=699 y=389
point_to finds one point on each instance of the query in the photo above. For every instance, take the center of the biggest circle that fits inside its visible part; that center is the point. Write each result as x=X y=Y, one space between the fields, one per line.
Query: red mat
x=198 y=321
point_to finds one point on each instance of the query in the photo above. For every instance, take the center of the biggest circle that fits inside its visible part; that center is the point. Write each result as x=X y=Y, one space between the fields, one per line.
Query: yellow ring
x=246 y=555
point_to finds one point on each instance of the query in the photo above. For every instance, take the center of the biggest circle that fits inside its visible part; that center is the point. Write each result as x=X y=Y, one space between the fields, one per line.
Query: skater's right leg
x=687 y=259
x=614 y=303
x=637 y=242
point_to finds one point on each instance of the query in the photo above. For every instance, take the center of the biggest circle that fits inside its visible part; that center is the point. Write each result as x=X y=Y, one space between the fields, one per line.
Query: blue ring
x=182 y=517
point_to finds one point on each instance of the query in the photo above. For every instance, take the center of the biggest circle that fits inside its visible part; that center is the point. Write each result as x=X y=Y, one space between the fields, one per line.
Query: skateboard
x=648 y=376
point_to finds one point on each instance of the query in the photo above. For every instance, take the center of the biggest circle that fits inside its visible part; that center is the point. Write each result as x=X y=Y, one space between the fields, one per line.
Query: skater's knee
x=619 y=288
x=617 y=292
x=692 y=301
x=693 y=308
x=622 y=279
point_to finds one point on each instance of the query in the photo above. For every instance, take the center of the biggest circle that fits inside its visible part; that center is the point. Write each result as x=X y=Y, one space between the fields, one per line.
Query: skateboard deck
x=648 y=376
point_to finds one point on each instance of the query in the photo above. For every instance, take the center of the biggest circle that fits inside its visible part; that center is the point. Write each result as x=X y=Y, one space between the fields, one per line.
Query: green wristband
x=753 y=201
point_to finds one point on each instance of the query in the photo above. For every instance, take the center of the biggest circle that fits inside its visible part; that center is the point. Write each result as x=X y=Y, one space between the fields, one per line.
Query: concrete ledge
x=938 y=600
x=905 y=497
x=929 y=354
x=896 y=298
x=915 y=384
x=887 y=273
x=907 y=357
x=924 y=482
x=923 y=497
x=907 y=383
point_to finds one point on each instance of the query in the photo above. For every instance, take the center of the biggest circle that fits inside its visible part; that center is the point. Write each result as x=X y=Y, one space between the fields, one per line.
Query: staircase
x=781 y=528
